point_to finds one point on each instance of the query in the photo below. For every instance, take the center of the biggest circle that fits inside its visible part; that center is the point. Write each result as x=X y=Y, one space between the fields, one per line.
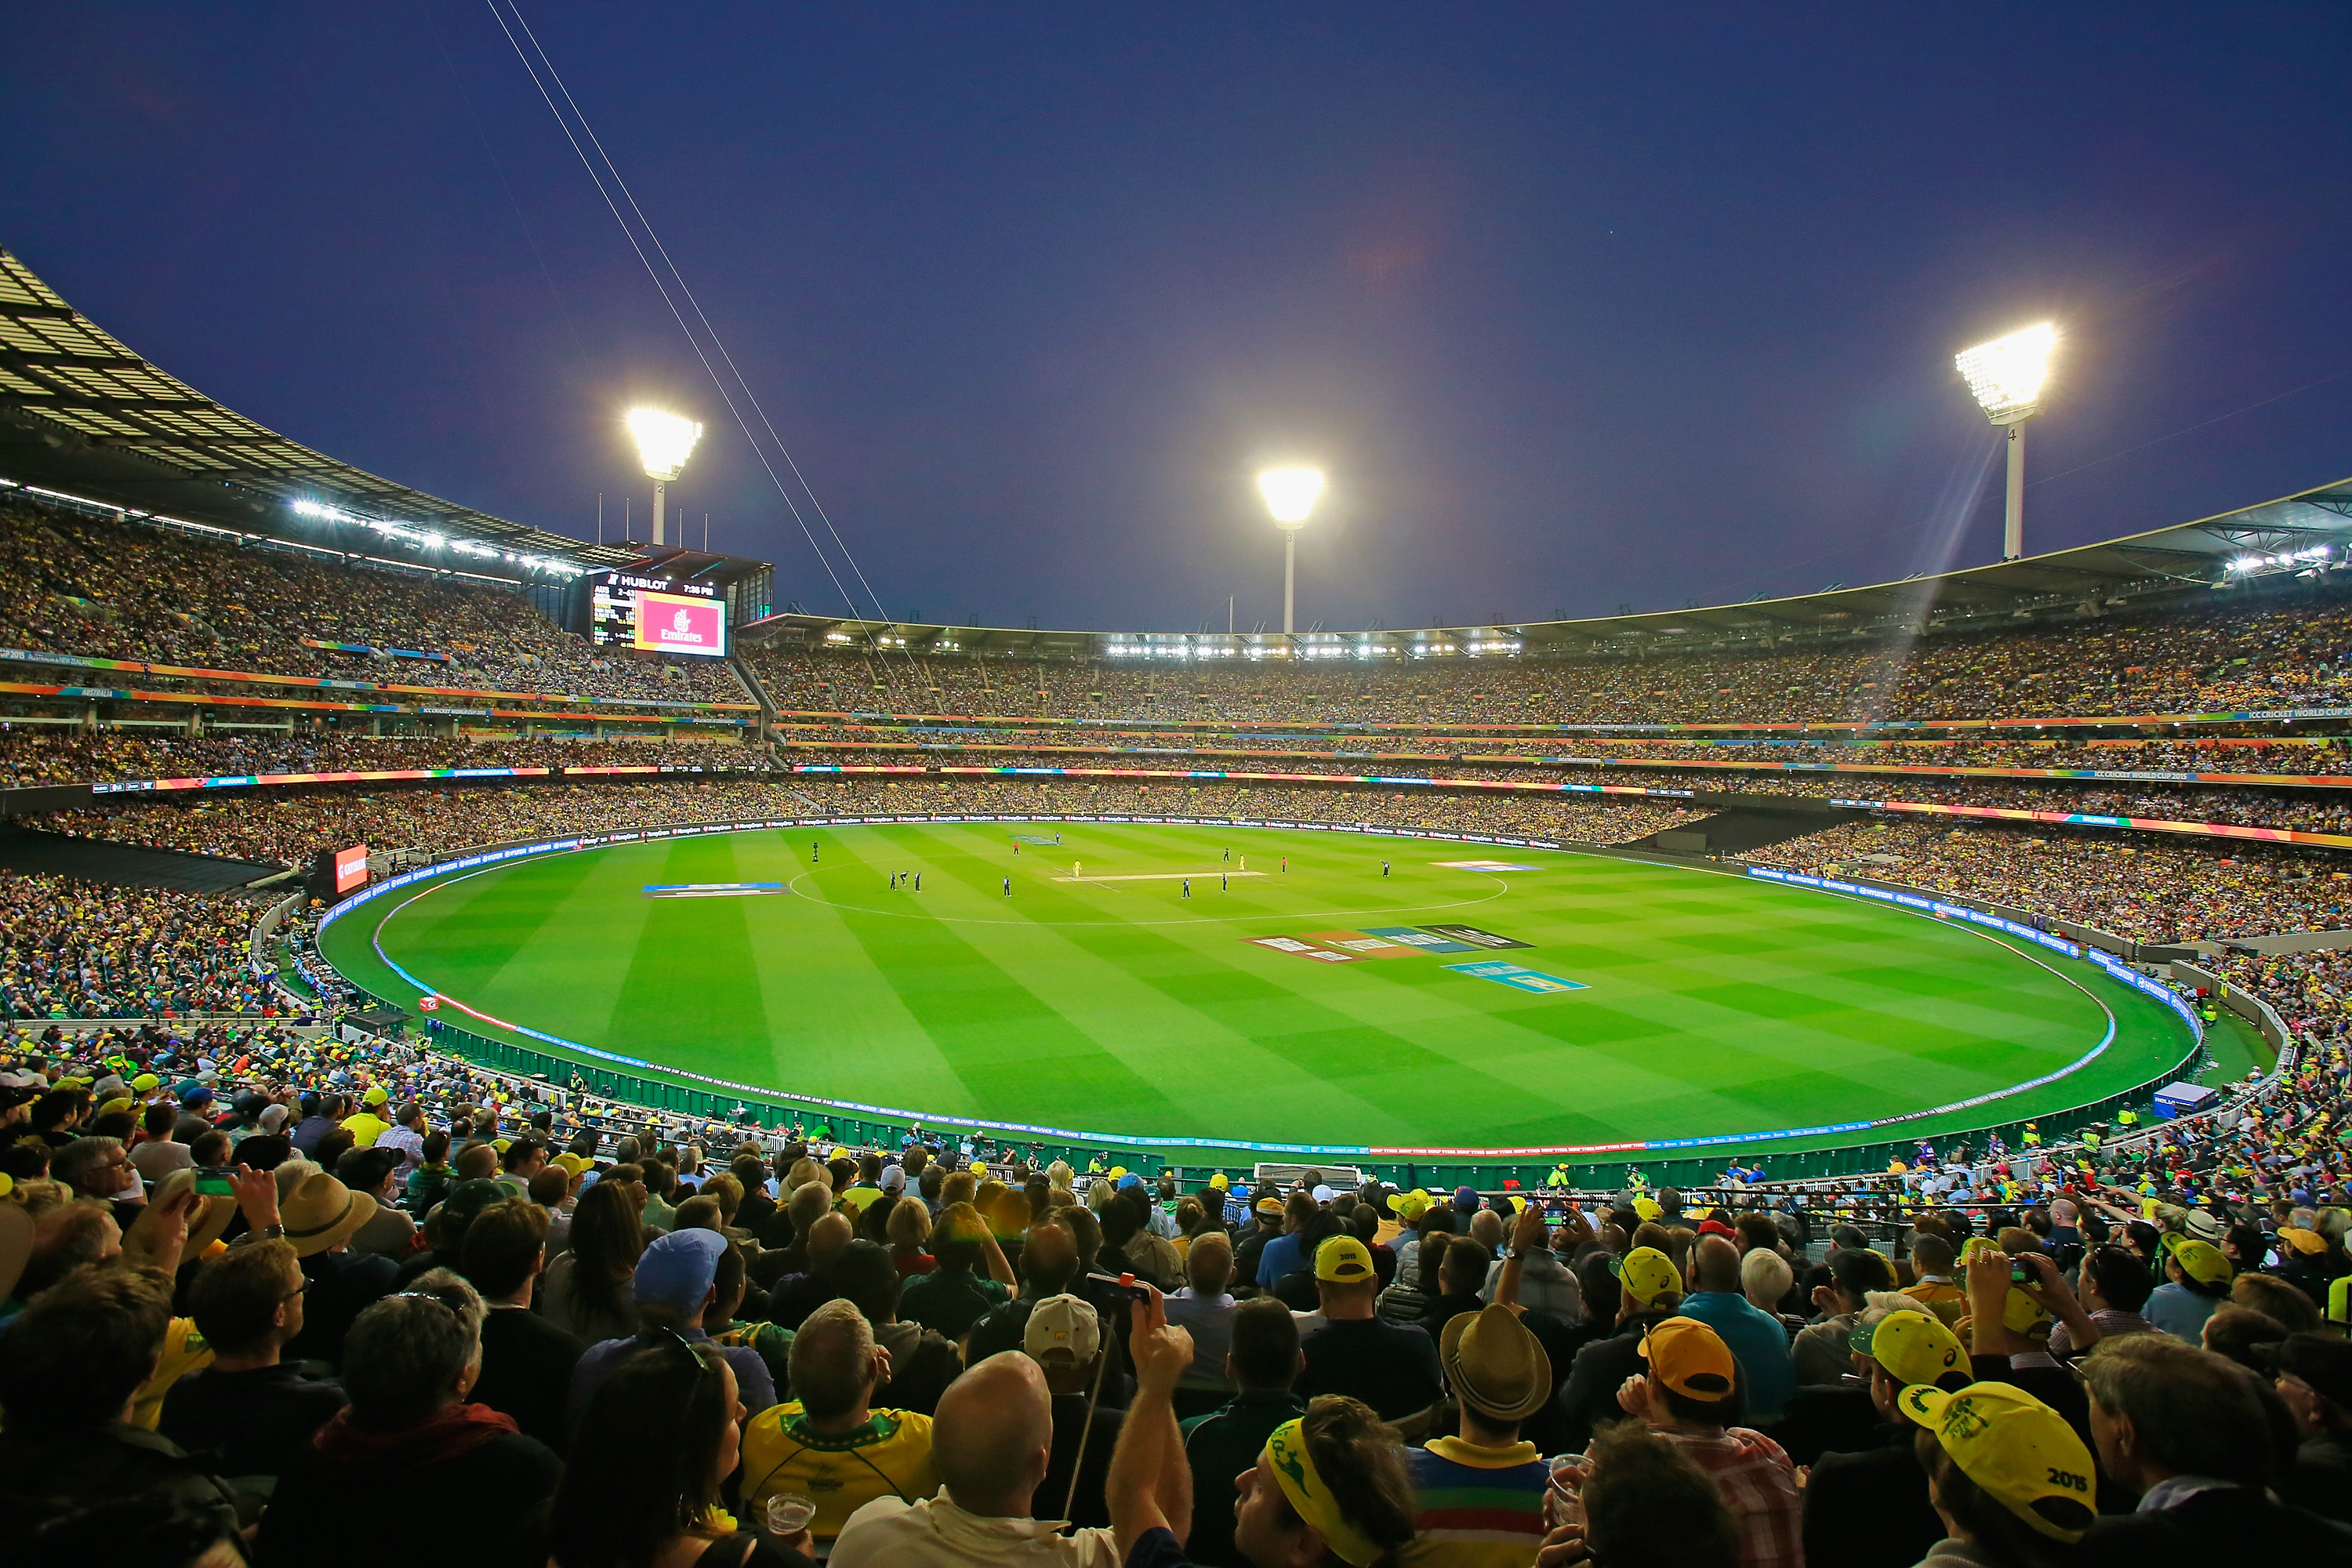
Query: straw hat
x=321 y=1214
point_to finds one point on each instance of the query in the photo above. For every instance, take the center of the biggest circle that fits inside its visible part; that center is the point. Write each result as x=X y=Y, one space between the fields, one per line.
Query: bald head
x=993 y=1435
x=827 y=1236
x=1049 y=1260
x=1717 y=1263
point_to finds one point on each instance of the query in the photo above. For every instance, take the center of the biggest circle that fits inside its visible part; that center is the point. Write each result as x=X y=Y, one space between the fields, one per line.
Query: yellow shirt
x=365 y=1128
x=840 y=1472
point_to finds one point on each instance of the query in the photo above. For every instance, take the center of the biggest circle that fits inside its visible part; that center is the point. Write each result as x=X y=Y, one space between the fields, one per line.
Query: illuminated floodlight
x=663 y=441
x=1290 y=494
x=2006 y=375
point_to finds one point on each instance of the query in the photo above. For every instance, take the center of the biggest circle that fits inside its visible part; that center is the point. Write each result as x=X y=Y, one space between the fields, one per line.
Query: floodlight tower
x=664 y=443
x=1290 y=494
x=2006 y=376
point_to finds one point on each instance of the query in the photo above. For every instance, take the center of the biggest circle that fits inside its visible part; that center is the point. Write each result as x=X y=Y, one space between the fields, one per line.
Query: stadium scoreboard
x=657 y=614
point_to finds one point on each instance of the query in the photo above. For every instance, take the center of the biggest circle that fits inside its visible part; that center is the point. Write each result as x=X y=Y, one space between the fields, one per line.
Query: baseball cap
x=1220 y=1182
x=1343 y=1260
x=1645 y=1274
x=1322 y=1195
x=893 y=1180
x=374 y=1096
x=1062 y=1329
x=2321 y=1362
x=1493 y=1364
x=1409 y=1206
x=570 y=1163
x=678 y=1269
x=1269 y=1204
x=2201 y=1260
x=145 y=1081
x=1913 y=1346
x=2305 y=1241
x=1465 y=1198
x=1690 y=1358
x=2014 y=1447
x=1647 y=1208
x=469 y=1197
x=195 y=1094
x=1713 y=1226
x=1127 y=1179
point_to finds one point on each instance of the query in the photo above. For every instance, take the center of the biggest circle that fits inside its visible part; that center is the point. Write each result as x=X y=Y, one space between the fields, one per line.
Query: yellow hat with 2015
x=1344 y=1261
x=2015 y=1448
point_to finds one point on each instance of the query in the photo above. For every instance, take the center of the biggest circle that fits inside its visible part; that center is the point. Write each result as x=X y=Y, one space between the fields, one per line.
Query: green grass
x=1714 y=1004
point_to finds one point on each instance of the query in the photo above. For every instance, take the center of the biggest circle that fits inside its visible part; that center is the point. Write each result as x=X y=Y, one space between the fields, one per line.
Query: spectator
x=662 y=1434
x=409 y=1437
x=2011 y=1480
x=1692 y=1396
x=388 y=1232
x=590 y=1291
x=527 y=1361
x=430 y=1178
x=1263 y=1360
x=74 y=1360
x=1766 y=1279
x=1331 y=1483
x=367 y=1124
x=910 y=1229
x=1063 y=1337
x=993 y=1442
x=676 y=1285
x=1933 y=1284
x=1645 y=1506
x=249 y=1408
x=830 y=1442
x=1545 y=1285
x=2313 y=1375
x=156 y=1155
x=1049 y=1266
x=2276 y=1299
x=1286 y=1253
x=2197 y=1281
x=1871 y=1509
x=1268 y=1218
x=1204 y=1310
x=922 y=1363
x=2187 y=1432
x=1649 y=1292
x=1757 y=1341
x=2115 y=1287
x=1391 y=1368
x=951 y=1299
x=1480 y=1494
x=1820 y=1355
x=322 y=1215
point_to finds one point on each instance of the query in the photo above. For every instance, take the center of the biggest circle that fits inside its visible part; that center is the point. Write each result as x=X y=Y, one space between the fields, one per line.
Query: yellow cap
x=2014 y=1447
x=2201 y=1260
x=2309 y=1242
x=1645 y=1274
x=1409 y=1206
x=1344 y=1261
x=1647 y=1208
x=1220 y=1182
x=145 y=1082
x=1913 y=1346
x=374 y=1096
x=1690 y=1358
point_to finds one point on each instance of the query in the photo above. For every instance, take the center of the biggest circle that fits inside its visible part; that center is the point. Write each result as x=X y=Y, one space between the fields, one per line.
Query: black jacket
x=1870 y=1509
x=2231 y=1523
x=1589 y=1399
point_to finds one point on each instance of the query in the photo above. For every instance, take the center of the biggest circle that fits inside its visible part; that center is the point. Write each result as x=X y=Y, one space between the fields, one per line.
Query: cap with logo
x=1690 y=1358
x=1409 y=1206
x=2016 y=1448
x=1062 y=1331
x=1912 y=1346
x=1645 y=1274
x=1269 y=1204
x=1343 y=1260
x=2201 y=1260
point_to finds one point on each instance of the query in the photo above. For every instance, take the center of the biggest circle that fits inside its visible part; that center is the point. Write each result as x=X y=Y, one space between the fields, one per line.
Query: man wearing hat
x=1649 y=1291
x=1691 y=1395
x=677 y=1279
x=2314 y=1381
x=368 y=1124
x=1871 y=1509
x=2012 y=1483
x=1480 y=1495
x=1391 y=1367
x=320 y=1216
x=1063 y=1337
x=2197 y=1281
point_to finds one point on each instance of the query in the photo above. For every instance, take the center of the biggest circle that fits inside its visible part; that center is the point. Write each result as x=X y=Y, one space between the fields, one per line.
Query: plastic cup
x=788 y=1513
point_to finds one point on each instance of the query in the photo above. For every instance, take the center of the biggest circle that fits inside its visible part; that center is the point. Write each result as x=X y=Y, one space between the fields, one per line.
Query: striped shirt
x=1476 y=1507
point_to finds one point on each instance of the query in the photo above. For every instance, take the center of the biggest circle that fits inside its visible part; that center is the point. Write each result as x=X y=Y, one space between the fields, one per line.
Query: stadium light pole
x=2006 y=376
x=1290 y=495
x=664 y=443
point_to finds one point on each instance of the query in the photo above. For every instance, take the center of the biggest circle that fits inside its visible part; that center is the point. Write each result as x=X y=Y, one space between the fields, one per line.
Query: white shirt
x=935 y=1533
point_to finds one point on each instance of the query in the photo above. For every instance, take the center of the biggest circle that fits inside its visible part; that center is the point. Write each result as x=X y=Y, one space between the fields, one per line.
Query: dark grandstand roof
x=82 y=414
x=2305 y=534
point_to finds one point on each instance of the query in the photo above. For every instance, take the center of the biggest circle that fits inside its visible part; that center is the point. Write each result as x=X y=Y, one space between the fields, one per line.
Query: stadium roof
x=82 y=414
x=2305 y=534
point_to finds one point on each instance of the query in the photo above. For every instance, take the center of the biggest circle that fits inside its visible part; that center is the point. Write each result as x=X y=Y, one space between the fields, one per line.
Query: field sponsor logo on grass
x=1363 y=944
x=1518 y=979
x=1417 y=939
x=1475 y=937
x=711 y=890
x=1484 y=865
x=1292 y=944
x=1032 y=838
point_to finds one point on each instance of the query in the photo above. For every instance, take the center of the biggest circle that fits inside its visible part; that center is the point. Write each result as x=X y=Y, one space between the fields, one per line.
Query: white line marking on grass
x=1158 y=876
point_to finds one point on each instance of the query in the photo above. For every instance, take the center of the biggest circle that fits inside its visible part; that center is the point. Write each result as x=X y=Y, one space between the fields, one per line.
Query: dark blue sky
x=1578 y=307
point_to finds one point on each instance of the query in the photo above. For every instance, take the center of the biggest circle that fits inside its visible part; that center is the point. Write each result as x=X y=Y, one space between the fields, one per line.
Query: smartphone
x=1126 y=1283
x=216 y=1181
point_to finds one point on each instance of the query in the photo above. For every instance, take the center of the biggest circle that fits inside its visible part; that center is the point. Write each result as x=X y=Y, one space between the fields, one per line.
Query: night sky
x=1579 y=308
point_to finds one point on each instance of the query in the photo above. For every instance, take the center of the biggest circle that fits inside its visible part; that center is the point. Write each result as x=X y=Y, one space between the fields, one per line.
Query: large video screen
x=350 y=869
x=625 y=616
